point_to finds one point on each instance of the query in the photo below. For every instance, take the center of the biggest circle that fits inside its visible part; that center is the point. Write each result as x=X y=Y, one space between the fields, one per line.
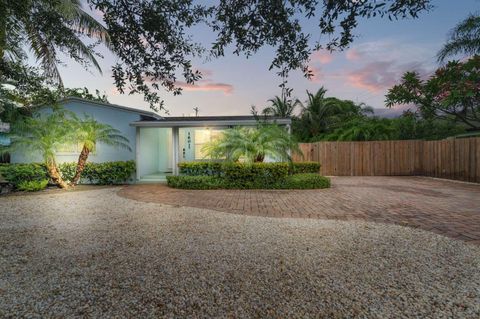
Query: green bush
x=200 y=168
x=106 y=173
x=212 y=168
x=256 y=175
x=305 y=167
x=19 y=173
x=95 y=173
x=194 y=182
x=296 y=181
x=305 y=181
x=32 y=186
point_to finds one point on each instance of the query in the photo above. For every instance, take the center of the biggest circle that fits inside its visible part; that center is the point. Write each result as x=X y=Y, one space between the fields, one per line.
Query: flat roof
x=201 y=121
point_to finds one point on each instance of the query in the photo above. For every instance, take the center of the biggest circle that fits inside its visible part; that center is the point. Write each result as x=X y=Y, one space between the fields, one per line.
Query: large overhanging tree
x=153 y=38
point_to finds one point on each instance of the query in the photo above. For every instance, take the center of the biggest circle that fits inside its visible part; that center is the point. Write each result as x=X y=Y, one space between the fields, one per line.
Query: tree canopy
x=154 y=42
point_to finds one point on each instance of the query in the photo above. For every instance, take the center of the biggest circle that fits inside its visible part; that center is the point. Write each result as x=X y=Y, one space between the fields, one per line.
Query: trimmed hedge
x=95 y=173
x=306 y=167
x=297 y=181
x=217 y=168
x=19 y=173
x=106 y=173
x=195 y=182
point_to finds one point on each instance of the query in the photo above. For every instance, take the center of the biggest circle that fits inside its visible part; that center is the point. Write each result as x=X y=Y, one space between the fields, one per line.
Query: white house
x=158 y=143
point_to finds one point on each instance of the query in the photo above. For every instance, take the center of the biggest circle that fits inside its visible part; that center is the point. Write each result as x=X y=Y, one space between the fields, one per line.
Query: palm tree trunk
x=55 y=174
x=82 y=160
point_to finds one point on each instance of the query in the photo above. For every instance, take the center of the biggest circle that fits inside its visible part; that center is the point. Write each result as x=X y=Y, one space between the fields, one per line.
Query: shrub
x=256 y=175
x=194 y=182
x=32 y=186
x=297 y=181
x=19 y=173
x=305 y=167
x=95 y=173
x=305 y=181
x=106 y=173
x=200 y=168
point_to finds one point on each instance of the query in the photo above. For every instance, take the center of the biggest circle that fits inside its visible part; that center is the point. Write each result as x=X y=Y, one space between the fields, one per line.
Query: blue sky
x=377 y=58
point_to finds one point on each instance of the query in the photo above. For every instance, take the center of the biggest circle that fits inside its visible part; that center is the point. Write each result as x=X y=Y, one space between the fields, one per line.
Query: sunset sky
x=382 y=51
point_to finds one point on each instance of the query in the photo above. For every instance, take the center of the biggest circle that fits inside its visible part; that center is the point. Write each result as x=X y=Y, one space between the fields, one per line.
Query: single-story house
x=158 y=143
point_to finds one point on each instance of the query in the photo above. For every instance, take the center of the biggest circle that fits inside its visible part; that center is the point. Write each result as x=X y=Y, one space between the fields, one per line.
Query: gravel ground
x=94 y=254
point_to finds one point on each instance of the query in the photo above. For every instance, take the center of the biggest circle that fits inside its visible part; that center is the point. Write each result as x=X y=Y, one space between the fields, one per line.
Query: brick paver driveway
x=445 y=207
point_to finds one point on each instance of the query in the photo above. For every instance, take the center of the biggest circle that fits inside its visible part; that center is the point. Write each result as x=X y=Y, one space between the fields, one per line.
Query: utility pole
x=196 y=109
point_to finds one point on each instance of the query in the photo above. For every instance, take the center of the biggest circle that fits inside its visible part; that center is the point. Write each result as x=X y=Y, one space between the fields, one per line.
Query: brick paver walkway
x=445 y=207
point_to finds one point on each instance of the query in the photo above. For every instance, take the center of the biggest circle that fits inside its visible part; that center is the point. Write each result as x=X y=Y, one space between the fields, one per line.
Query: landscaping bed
x=218 y=175
x=34 y=176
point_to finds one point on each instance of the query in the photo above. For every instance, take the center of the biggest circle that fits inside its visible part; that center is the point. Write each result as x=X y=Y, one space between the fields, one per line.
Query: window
x=202 y=137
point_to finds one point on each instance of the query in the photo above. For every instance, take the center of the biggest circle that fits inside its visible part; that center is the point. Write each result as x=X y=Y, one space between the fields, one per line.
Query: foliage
x=32 y=186
x=252 y=144
x=89 y=132
x=106 y=173
x=297 y=181
x=21 y=173
x=280 y=107
x=256 y=175
x=305 y=181
x=43 y=134
x=154 y=44
x=47 y=27
x=452 y=93
x=194 y=182
x=367 y=129
x=305 y=167
x=208 y=168
x=322 y=115
x=463 y=39
x=211 y=168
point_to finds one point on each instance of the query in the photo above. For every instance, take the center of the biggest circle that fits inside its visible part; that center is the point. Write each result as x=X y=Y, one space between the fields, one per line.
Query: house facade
x=158 y=143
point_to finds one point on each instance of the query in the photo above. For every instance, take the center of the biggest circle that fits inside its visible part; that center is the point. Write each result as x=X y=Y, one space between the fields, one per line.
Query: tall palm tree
x=252 y=144
x=89 y=133
x=463 y=39
x=46 y=135
x=280 y=106
x=46 y=27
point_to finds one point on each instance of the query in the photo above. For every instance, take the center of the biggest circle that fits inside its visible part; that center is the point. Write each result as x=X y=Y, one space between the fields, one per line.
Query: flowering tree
x=453 y=92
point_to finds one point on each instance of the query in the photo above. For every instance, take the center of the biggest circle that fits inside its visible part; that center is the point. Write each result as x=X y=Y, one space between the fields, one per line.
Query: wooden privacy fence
x=452 y=158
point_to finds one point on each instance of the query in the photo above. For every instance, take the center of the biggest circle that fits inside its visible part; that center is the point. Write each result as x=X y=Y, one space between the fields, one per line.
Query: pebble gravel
x=94 y=254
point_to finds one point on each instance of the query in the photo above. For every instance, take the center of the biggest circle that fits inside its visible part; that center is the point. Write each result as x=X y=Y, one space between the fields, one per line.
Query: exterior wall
x=117 y=118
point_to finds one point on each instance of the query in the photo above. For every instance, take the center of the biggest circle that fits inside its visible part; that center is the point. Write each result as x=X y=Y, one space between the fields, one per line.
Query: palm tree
x=463 y=39
x=252 y=144
x=89 y=133
x=281 y=107
x=46 y=27
x=44 y=135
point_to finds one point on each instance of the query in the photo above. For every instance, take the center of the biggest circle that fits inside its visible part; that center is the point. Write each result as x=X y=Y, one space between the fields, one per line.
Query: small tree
x=44 y=134
x=252 y=144
x=452 y=93
x=89 y=132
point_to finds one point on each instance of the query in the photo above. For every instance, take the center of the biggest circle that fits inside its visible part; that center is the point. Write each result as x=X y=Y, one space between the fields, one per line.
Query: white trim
x=137 y=152
x=175 y=150
x=204 y=123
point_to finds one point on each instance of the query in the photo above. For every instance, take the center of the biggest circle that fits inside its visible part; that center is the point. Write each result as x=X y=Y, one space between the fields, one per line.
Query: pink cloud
x=377 y=77
x=206 y=86
x=324 y=57
x=353 y=54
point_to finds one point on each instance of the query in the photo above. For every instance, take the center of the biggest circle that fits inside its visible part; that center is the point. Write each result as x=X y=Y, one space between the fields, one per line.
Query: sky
x=381 y=52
